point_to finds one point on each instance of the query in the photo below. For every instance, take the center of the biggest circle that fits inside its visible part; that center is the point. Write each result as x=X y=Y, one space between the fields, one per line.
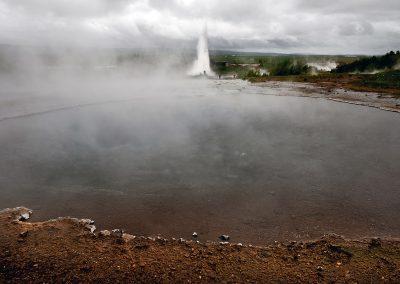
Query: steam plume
x=202 y=64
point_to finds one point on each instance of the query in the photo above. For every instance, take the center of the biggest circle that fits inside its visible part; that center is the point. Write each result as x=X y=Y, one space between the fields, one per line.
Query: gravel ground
x=70 y=250
x=376 y=100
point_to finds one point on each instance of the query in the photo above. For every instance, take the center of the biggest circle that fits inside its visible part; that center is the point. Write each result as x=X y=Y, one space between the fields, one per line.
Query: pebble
x=92 y=228
x=24 y=216
x=105 y=233
x=87 y=221
x=375 y=243
x=117 y=233
x=128 y=237
x=224 y=238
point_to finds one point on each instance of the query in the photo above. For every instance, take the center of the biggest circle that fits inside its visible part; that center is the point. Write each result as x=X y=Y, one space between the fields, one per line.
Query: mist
x=134 y=142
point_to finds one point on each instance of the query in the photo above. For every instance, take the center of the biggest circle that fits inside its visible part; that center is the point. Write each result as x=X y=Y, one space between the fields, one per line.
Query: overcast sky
x=287 y=26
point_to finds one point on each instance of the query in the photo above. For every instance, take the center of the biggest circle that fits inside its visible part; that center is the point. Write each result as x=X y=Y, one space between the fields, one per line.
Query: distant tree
x=288 y=67
x=387 y=61
x=253 y=73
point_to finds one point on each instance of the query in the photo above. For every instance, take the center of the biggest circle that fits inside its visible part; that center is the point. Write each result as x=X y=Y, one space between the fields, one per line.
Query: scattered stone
x=87 y=221
x=117 y=233
x=195 y=235
x=24 y=216
x=157 y=262
x=105 y=233
x=375 y=243
x=160 y=240
x=339 y=249
x=91 y=228
x=128 y=237
x=224 y=238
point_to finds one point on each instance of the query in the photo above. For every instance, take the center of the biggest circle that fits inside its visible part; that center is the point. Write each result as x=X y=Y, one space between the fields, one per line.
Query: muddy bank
x=71 y=250
x=339 y=93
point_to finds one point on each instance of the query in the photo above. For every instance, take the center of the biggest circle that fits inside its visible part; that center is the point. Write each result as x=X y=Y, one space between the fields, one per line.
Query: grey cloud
x=355 y=28
x=321 y=26
x=67 y=8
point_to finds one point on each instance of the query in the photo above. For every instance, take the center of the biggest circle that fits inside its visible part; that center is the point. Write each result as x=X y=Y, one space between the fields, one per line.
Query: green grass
x=390 y=80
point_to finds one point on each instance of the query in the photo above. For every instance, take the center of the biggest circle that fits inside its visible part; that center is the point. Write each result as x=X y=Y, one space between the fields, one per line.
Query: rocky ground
x=71 y=250
x=383 y=101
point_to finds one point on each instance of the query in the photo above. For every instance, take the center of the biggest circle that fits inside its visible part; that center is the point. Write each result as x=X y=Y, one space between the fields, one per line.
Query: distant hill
x=389 y=61
x=217 y=52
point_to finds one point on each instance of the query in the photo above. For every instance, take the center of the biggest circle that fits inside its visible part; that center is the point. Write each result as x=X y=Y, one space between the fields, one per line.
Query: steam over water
x=172 y=157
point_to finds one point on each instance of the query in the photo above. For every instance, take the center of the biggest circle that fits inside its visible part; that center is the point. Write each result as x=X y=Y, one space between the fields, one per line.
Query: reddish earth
x=330 y=82
x=308 y=86
x=65 y=250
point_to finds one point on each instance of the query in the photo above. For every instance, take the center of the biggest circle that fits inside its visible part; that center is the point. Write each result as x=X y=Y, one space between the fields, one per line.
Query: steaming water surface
x=215 y=157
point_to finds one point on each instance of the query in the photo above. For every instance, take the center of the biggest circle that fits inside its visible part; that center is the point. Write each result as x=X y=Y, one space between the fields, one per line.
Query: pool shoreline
x=71 y=249
x=367 y=99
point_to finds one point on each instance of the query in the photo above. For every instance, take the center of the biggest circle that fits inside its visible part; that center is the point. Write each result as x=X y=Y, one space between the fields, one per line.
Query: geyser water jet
x=201 y=66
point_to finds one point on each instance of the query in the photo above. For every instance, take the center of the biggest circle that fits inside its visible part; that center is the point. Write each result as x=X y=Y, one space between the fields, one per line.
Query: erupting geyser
x=201 y=65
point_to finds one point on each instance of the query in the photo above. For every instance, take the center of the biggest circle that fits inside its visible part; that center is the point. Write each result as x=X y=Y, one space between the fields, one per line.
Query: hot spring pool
x=215 y=157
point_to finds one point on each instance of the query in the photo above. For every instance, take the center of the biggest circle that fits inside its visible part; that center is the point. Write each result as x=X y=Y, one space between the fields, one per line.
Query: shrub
x=288 y=67
x=387 y=61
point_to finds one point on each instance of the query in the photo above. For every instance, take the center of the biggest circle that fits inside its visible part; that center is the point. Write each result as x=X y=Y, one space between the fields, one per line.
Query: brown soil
x=65 y=250
x=352 y=82
x=345 y=91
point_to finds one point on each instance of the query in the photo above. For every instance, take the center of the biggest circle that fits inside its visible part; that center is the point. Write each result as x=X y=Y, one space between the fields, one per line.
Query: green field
x=225 y=64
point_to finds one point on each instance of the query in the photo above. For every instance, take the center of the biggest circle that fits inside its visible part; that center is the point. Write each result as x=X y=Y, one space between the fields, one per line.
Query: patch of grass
x=386 y=80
